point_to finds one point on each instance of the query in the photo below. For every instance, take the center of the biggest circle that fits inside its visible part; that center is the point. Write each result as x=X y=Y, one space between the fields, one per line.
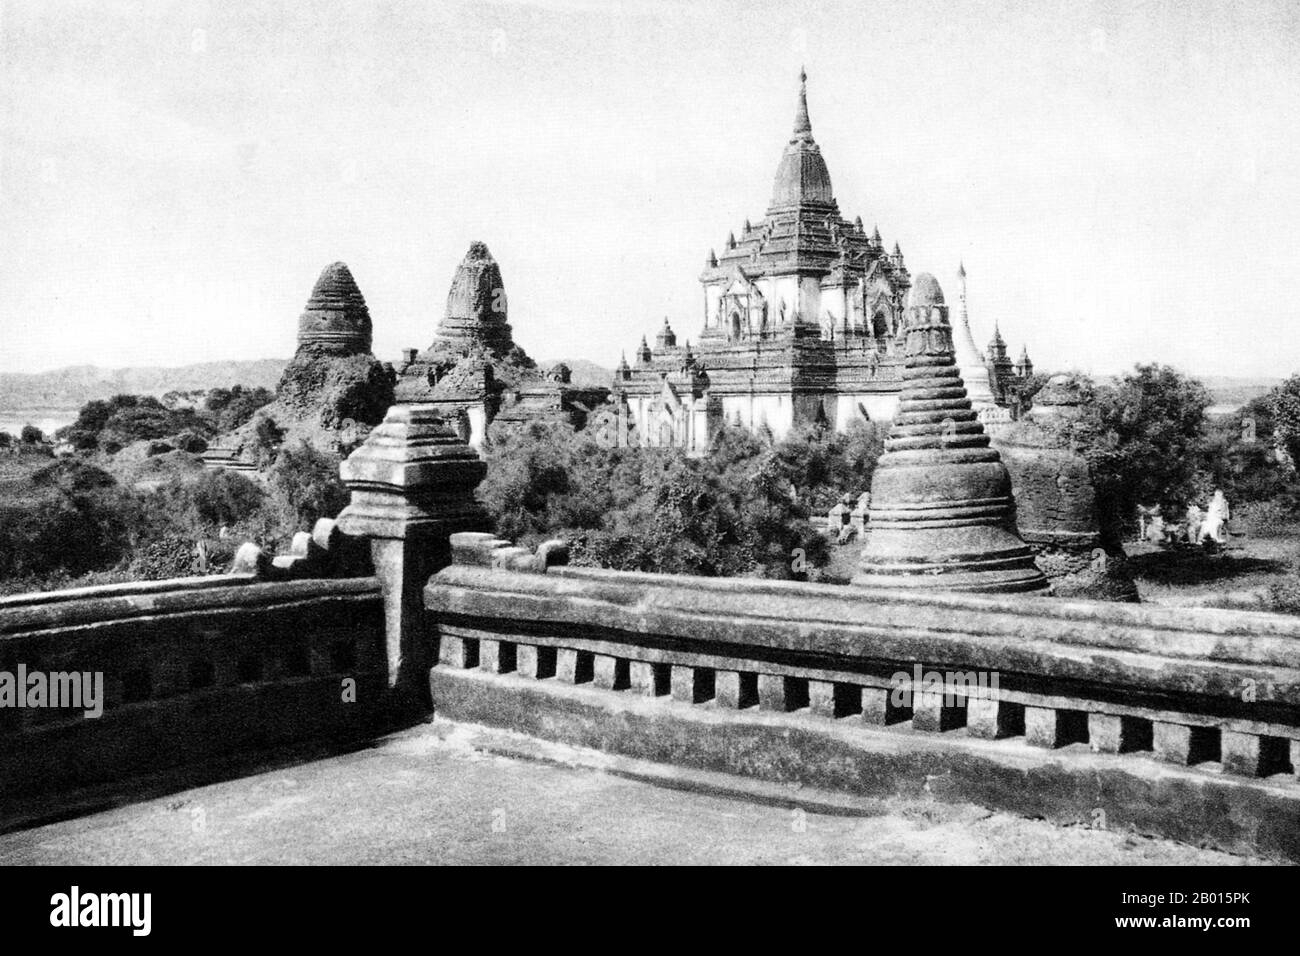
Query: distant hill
x=1226 y=393
x=72 y=387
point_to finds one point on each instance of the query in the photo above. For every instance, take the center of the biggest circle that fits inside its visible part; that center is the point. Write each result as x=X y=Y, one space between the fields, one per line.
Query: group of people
x=1208 y=528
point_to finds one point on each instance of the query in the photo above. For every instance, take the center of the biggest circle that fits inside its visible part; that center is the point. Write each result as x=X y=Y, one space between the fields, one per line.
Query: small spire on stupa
x=875 y=235
x=802 y=125
x=857 y=224
x=712 y=261
x=731 y=240
x=666 y=338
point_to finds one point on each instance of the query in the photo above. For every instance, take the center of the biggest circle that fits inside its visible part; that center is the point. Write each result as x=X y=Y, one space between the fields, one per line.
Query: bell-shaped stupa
x=336 y=320
x=942 y=515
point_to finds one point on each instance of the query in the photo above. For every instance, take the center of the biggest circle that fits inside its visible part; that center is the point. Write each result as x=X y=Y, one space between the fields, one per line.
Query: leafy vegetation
x=747 y=508
x=108 y=425
x=70 y=521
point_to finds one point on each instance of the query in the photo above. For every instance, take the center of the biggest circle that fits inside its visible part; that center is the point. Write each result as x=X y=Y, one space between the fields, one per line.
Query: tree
x=306 y=485
x=1284 y=403
x=743 y=509
x=231 y=407
x=1145 y=441
x=267 y=436
x=31 y=435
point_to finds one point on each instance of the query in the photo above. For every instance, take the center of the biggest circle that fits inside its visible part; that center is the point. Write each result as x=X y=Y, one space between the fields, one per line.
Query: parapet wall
x=194 y=670
x=1177 y=723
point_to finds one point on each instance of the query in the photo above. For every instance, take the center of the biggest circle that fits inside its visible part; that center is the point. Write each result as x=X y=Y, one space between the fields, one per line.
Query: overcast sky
x=1122 y=179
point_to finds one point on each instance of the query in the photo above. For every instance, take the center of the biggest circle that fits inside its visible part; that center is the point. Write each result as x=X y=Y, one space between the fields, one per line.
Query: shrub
x=219 y=497
x=31 y=435
x=305 y=482
x=189 y=442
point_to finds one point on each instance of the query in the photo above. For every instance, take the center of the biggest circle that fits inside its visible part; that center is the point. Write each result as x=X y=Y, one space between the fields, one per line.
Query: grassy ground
x=1258 y=570
x=1259 y=573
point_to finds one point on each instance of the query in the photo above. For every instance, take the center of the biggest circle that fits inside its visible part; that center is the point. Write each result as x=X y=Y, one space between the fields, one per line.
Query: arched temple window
x=880 y=326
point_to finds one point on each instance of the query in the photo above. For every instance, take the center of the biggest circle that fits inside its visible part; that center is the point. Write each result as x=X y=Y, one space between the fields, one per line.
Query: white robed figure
x=1215 y=526
x=1194 y=518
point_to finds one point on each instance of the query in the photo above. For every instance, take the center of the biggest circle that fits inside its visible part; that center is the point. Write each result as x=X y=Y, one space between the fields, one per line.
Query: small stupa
x=942 y=515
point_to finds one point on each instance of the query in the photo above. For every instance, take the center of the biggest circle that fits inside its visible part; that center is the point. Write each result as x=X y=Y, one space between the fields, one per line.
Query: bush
x=71 y=526
x=306 y=485
x=190 y=442
x=123 y=419
x=743 y=509
x=233 y=407
x=31 y=435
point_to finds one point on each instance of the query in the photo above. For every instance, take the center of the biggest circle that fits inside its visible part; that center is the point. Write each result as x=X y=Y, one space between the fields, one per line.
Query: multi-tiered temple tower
x=802 y=321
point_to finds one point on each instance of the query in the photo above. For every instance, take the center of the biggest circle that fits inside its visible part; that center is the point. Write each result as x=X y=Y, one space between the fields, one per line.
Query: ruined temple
x=332 y=392
x=941 y=515
x=474 y=366
x=802 y=323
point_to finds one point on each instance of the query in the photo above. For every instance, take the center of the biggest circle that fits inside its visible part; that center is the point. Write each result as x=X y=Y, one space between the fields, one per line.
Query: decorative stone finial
x=941 y=515
x=666 y=338
x=336 y=319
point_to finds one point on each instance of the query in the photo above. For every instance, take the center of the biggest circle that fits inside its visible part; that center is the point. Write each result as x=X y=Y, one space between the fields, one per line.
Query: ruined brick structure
x=332 y=391
x=474 y=365
x=1056 y=505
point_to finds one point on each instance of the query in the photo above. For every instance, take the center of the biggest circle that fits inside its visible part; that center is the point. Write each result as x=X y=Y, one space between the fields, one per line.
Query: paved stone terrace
x=425 y=795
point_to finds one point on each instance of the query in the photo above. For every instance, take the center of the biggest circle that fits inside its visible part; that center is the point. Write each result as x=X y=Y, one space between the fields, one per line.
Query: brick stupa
x=942 y=515
x=333 y=390
x=1056 y=501
x=473 y=364
x=336 y=320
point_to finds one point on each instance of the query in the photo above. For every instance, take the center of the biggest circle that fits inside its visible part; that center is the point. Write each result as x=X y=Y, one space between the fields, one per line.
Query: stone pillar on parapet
x=412 y=486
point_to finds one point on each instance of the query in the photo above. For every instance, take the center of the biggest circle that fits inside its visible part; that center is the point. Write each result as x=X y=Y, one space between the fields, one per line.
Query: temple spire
x=802 y=125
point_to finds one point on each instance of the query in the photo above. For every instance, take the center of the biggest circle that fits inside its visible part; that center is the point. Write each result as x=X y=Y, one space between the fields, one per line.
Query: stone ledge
x=1201 y=667
x=239 y=595
x=1065 y=786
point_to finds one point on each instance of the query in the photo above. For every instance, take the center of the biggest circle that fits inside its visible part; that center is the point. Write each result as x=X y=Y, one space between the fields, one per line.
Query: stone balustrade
x=196 y=674
x=1085 y=691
